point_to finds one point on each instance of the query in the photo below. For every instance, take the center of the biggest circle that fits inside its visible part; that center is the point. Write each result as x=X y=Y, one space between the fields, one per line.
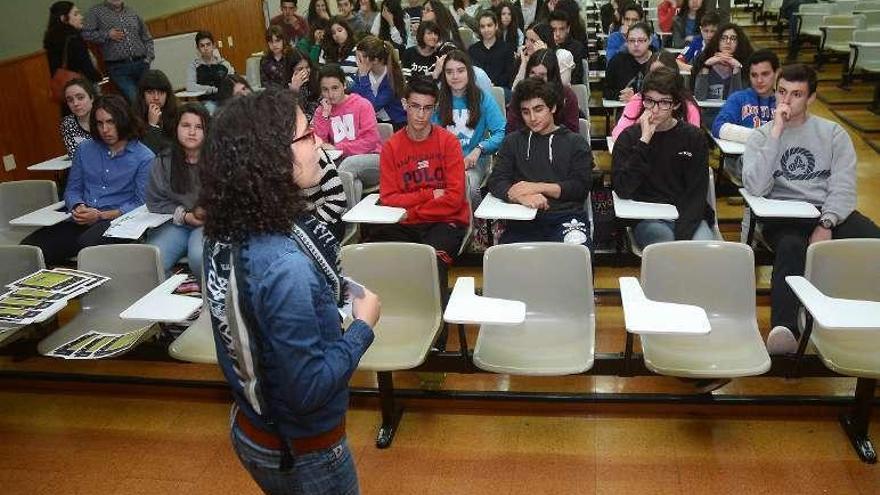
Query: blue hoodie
x=491 y=121
x=745 y=108
x=616 y=43
x=384 y=98
x=693 y=49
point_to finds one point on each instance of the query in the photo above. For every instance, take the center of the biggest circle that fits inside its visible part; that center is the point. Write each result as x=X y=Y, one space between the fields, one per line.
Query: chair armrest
x=834 y=313
x=640 y=210
x=492 y=208
x=465 y=307
x=367 y=211
x=646 y=317
x=778 y=208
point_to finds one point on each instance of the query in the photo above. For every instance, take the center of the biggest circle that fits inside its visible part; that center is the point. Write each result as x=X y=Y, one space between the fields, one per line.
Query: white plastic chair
x=386 y=130
x=134 y=270
x=252 y=71
x=837 y=34
x=554 y=280
x=467 y=36
x=498 y=95
x=843 y=7
x=18 y=198
x=810 y=18
x=720 y=278
x=583 y=97
x=353 y=194
x=863 y=57
x=196 y=343
x=404 y=276
x=584 y=128
x=18 y=261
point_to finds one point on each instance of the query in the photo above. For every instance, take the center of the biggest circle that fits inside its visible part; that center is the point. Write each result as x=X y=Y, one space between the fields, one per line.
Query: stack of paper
x=133 y=224
x=39 y=295
x=98 y=345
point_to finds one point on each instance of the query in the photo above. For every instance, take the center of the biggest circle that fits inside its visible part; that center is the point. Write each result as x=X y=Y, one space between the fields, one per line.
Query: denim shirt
x=108 y=182
x=284 y=354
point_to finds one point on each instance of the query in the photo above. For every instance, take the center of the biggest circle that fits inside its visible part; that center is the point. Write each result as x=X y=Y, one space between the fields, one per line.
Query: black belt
x=124 y=60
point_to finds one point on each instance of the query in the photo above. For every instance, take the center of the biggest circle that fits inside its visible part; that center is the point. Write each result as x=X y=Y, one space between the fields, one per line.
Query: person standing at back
x=294 y=25
x=125 y=41
x=64 y=44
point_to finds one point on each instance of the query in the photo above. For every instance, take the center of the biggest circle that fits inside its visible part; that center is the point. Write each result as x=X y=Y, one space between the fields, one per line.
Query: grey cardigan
x=161 y=198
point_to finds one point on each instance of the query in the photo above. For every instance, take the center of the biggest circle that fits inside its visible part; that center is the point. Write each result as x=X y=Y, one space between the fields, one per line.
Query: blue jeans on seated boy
x=571 y=227
x=175 y=242
x=649 y=232
x=323 y=472
x=475 y=176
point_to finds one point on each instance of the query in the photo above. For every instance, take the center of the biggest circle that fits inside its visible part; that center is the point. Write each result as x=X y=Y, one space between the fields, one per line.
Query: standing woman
x=274 y=298
x=380 y=80
x=79 y=95
x=338 y=46
x=471 y=115
x=347 y=122
x=174 y=189
x=392 y=24
x=64 y=44
x=276 y=66
x=156 y=105
x=545 y=66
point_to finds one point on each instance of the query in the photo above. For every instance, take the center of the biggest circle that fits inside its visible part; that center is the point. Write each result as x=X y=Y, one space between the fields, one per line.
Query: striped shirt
x=137 y=43
x=327 y=198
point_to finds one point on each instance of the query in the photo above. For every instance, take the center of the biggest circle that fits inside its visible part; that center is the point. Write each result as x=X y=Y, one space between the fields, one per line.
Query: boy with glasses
x=422 y=170
x=804 y=157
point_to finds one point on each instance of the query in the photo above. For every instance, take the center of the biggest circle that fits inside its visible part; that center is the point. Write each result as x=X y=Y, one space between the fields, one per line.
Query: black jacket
x=78 y=59
x=496 y=61
x=623 y=71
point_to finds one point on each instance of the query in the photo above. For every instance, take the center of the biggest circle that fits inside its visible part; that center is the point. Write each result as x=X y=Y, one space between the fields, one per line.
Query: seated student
x=294 y=25
x=423 y=172
x=79 y=95
x=624 y=75
x=480 y=76
x=491 y=54
x=231 y=86
x=634 y=108
x=310 y=44
x=347 y=122
x=352 y=18
x=156 y=105
x=276 y=66
x=717 y=71
x=540 y=37
x=369 y=11
x=420 y=60
x=528 y=11
x=708 y=26
x=174 y=189
x=562 y=38
x=464 y=12
x=436 y=11
x=576 y=28
x=107 y=179
x=380 y=80
x=666 y=11
x=544 y=65
x=685 y=25
x=609 y=16
x=318 y=13
x=750 y=108
x=207 y=71
x=544 y=166
x=471 y=115
x=801 y=156
x=665 y=160
x=510 y=24
x=630 y=15
x=392 y=24
x=338 y=46
x=304 y=82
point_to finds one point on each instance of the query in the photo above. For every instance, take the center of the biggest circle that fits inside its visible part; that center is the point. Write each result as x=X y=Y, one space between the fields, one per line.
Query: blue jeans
x=126 y=76
x=571 y=227
x=329 y=471
x=649 y=232
x=175 y=242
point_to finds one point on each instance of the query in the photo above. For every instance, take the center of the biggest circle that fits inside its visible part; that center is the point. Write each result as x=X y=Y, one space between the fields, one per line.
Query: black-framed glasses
x=421 y=109
x=729 y=38
x=664 y=104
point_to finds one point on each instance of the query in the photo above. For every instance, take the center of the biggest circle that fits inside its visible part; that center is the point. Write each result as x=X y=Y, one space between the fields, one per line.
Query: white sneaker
x=781 y=341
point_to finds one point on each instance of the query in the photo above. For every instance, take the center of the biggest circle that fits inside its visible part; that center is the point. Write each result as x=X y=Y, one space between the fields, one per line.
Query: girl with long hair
x=510 y=20
x=380 y=80
x=311 y=43
x=174 y=189
x=688 y=111
x=392 y=24
x=539 y=37
x=338 y=46
x=471 y=114
x=665 y=160
x=717 y=73
x=319 y=13
x=64 y=43
x=79 y=95
x=304 y=82
x=544 y=65
x=491 y=54
x=369 y=11
x=686 y=24
x=276 y=66
x=156 y=106
x=436 y=11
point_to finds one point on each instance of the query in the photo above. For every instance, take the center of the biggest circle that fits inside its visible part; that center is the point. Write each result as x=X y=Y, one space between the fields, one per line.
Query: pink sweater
x=634 y=109
x=351 y=126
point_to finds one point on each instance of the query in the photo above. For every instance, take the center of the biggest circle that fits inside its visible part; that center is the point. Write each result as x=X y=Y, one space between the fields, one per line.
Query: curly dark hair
x=128 y=125
x=247 y=173
x=741 y=54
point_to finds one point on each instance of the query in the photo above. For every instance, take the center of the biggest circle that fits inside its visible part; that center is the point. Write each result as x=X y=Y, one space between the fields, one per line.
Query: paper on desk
x=133 y=224
x=97 y=345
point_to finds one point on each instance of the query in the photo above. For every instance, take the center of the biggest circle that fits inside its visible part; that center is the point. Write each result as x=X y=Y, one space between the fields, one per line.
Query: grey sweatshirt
x=161 y=198
x=712 y=86
x=815 y=162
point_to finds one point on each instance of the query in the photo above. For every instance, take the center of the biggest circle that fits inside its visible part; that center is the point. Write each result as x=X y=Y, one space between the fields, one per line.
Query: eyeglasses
x=649 y=103
x=308 y=135
x=421 y=109
x=637 y=41
x=729 y=38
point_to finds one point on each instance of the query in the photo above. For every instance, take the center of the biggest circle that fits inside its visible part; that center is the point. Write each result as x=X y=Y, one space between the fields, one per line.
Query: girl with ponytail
x=379 y=79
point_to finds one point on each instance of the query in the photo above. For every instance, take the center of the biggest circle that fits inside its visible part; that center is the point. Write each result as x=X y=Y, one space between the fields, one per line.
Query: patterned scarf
x=317 y=241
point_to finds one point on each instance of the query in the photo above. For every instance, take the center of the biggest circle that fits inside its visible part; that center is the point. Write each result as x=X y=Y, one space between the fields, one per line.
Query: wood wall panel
x=29 y=121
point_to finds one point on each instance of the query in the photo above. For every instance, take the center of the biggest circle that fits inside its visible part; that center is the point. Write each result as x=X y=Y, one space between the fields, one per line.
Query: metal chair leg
x=391 y=411
x=855 y=422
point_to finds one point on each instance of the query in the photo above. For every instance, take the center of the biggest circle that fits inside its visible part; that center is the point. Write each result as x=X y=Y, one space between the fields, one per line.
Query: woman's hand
x=192 y=220
x=154 y=115
x=319 y=36
x=626 y=94
x=363 y=63
x=298 y=79
x=326 y=107
x=387 y=15
x=367 y=308
x=438 y=67
x=472 y=158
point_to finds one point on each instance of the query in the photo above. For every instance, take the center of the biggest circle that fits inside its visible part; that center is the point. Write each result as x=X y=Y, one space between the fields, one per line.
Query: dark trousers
x=571 y=227
x=64 y=240
x=789 y=241
x=445 y=238
x=126 y=76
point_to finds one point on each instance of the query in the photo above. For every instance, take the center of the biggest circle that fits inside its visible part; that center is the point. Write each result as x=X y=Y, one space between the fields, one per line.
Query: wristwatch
x=826 y=223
